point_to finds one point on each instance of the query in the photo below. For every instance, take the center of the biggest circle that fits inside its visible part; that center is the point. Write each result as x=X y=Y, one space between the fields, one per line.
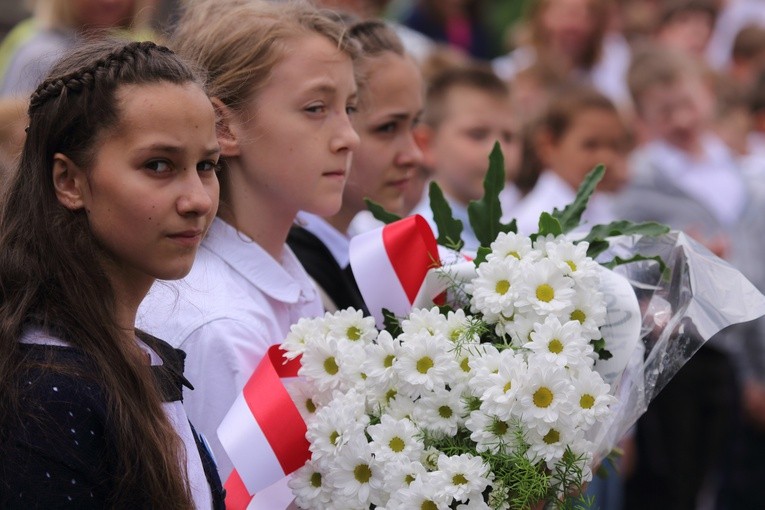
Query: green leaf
x=380 y=213
x=480 y=257
x=391 y=323
x=599 y=346
x=624 y=227
x=549 y=225
x=597 y=246
x=485 y=214
x=449 y=229
x=571 y=215
x=618 y=261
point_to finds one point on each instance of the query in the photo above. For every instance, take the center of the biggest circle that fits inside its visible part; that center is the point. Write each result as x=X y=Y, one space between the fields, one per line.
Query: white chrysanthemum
x=490 y=433
x=392 y=438
x=306 y=398
x=573 y=260
x=546 y=394
x=334 y=425
x=548 y=442
x=520 y=327
x=440 y=411
x=401 y=473
x=400 y=406
x=424 y=492
x=424 y=321
x=356 y=476
x=463 y=475
x=513 y=245
x=305 y=330
x=321 y=364
x=351 y=325
x=559 y=344
x=484 y=364
x=589 y=310
x=459 y=328
x=499 y=397
x=545 y=289
x=541 y=243
x=380 y=357
x=475 y=502
x=310 y=487
x=425 y=363
x=591 y=397
x=494 y=291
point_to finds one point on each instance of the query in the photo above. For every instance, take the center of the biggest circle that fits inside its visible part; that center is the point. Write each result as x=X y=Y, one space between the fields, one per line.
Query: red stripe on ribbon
x=237 y=496
x=412 y=250
x=274 y=410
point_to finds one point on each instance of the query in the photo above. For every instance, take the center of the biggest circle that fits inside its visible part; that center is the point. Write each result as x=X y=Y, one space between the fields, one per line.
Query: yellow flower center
x=502 y=287
x=571 y=265
x=545 y=293
x=316 y=480
x=388 y=361
x=515 y=254
x=465 y=365
x=508 y=386
x=499 y=428
x=310 y=405
x=578 y=315
x=428 y=505
x=586 y=401
x=459 y=479
x=456 y=334
x=333 y=437
x=408 y=479
x=330 y=366
x=552 y=437
x=445 y=412
x=353 y=333
x=543 y=397
x=390 y=395
x=396 y=444
x=424 y=364
x=362 y=473
x=555 y=346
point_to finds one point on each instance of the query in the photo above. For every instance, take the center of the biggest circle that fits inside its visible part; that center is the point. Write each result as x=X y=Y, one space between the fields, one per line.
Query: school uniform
x=324 y=252
x=236 y=302
x=63 y=456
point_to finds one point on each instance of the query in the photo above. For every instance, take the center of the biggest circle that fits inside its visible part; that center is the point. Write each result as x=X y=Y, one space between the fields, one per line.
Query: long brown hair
x=51 y=272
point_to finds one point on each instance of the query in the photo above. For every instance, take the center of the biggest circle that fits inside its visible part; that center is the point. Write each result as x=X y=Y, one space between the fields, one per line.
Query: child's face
x=569 y=24
x=460 y=145
x=151 y=191
x=688 y=32
x=595 y=136
x=295 y=136
x=388 y=156
x=677 y=112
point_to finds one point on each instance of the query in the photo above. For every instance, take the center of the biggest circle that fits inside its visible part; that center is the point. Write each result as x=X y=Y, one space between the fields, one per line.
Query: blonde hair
x=238 y=42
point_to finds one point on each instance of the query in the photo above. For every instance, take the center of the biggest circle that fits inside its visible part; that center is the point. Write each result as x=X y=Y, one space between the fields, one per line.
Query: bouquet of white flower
x=535 y=362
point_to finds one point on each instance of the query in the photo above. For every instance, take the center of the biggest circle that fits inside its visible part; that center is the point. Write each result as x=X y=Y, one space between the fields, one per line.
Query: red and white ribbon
x=390 y=264
x=263 y=432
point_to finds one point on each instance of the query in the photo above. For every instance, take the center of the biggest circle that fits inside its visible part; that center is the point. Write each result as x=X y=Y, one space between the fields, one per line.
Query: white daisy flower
x=545 y=289
x=399 y=473
x=548 y=442
x=591 y=397
x=493 y=290
x=520 y=327
x=321 y=364
x=573 y=260
x=499 y=397
x=425 y=363
x=351 y=325
x=351 y=357
x=305 y=330
x=458 y=328
x=337 y=423
x=421 y=493
x=401 y=407
x=541 y=243
x=356 y=476
x=440 y=411
x=310 y=487
x=306 y=398
x=562 y=345
x=475 y=502
x=484 y=364
x=513 y=245
x=423 y=321
x=490 y=433
x=463 y=475
x=589 y=310
x=380 y=356
x=546 y=394
x=392 y=438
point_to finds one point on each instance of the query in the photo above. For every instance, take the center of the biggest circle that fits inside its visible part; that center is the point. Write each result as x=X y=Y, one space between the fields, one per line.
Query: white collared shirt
x=337 y=243
x=236 y=302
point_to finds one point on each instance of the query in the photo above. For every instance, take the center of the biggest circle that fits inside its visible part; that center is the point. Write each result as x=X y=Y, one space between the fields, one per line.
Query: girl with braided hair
x=281 y=76
x=115 y=188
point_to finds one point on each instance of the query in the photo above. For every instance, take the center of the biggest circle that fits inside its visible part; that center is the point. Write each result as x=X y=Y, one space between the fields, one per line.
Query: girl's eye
x=316 y=108
x=351 y=109
x=478 y=134
x=389 y=127
x=158 y=166
x=208 y=166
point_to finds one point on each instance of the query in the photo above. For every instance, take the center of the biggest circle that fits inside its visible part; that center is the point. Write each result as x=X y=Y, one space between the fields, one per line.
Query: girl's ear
x=226 y=129
x=424 y=137
x=69 y=181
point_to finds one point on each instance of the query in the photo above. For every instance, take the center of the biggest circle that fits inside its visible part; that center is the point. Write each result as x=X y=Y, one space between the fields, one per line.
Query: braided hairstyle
x=51 y=266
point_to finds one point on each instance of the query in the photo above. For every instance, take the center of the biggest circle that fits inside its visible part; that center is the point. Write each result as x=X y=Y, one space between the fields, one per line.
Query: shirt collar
x=337 y=243
x=286 y=281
